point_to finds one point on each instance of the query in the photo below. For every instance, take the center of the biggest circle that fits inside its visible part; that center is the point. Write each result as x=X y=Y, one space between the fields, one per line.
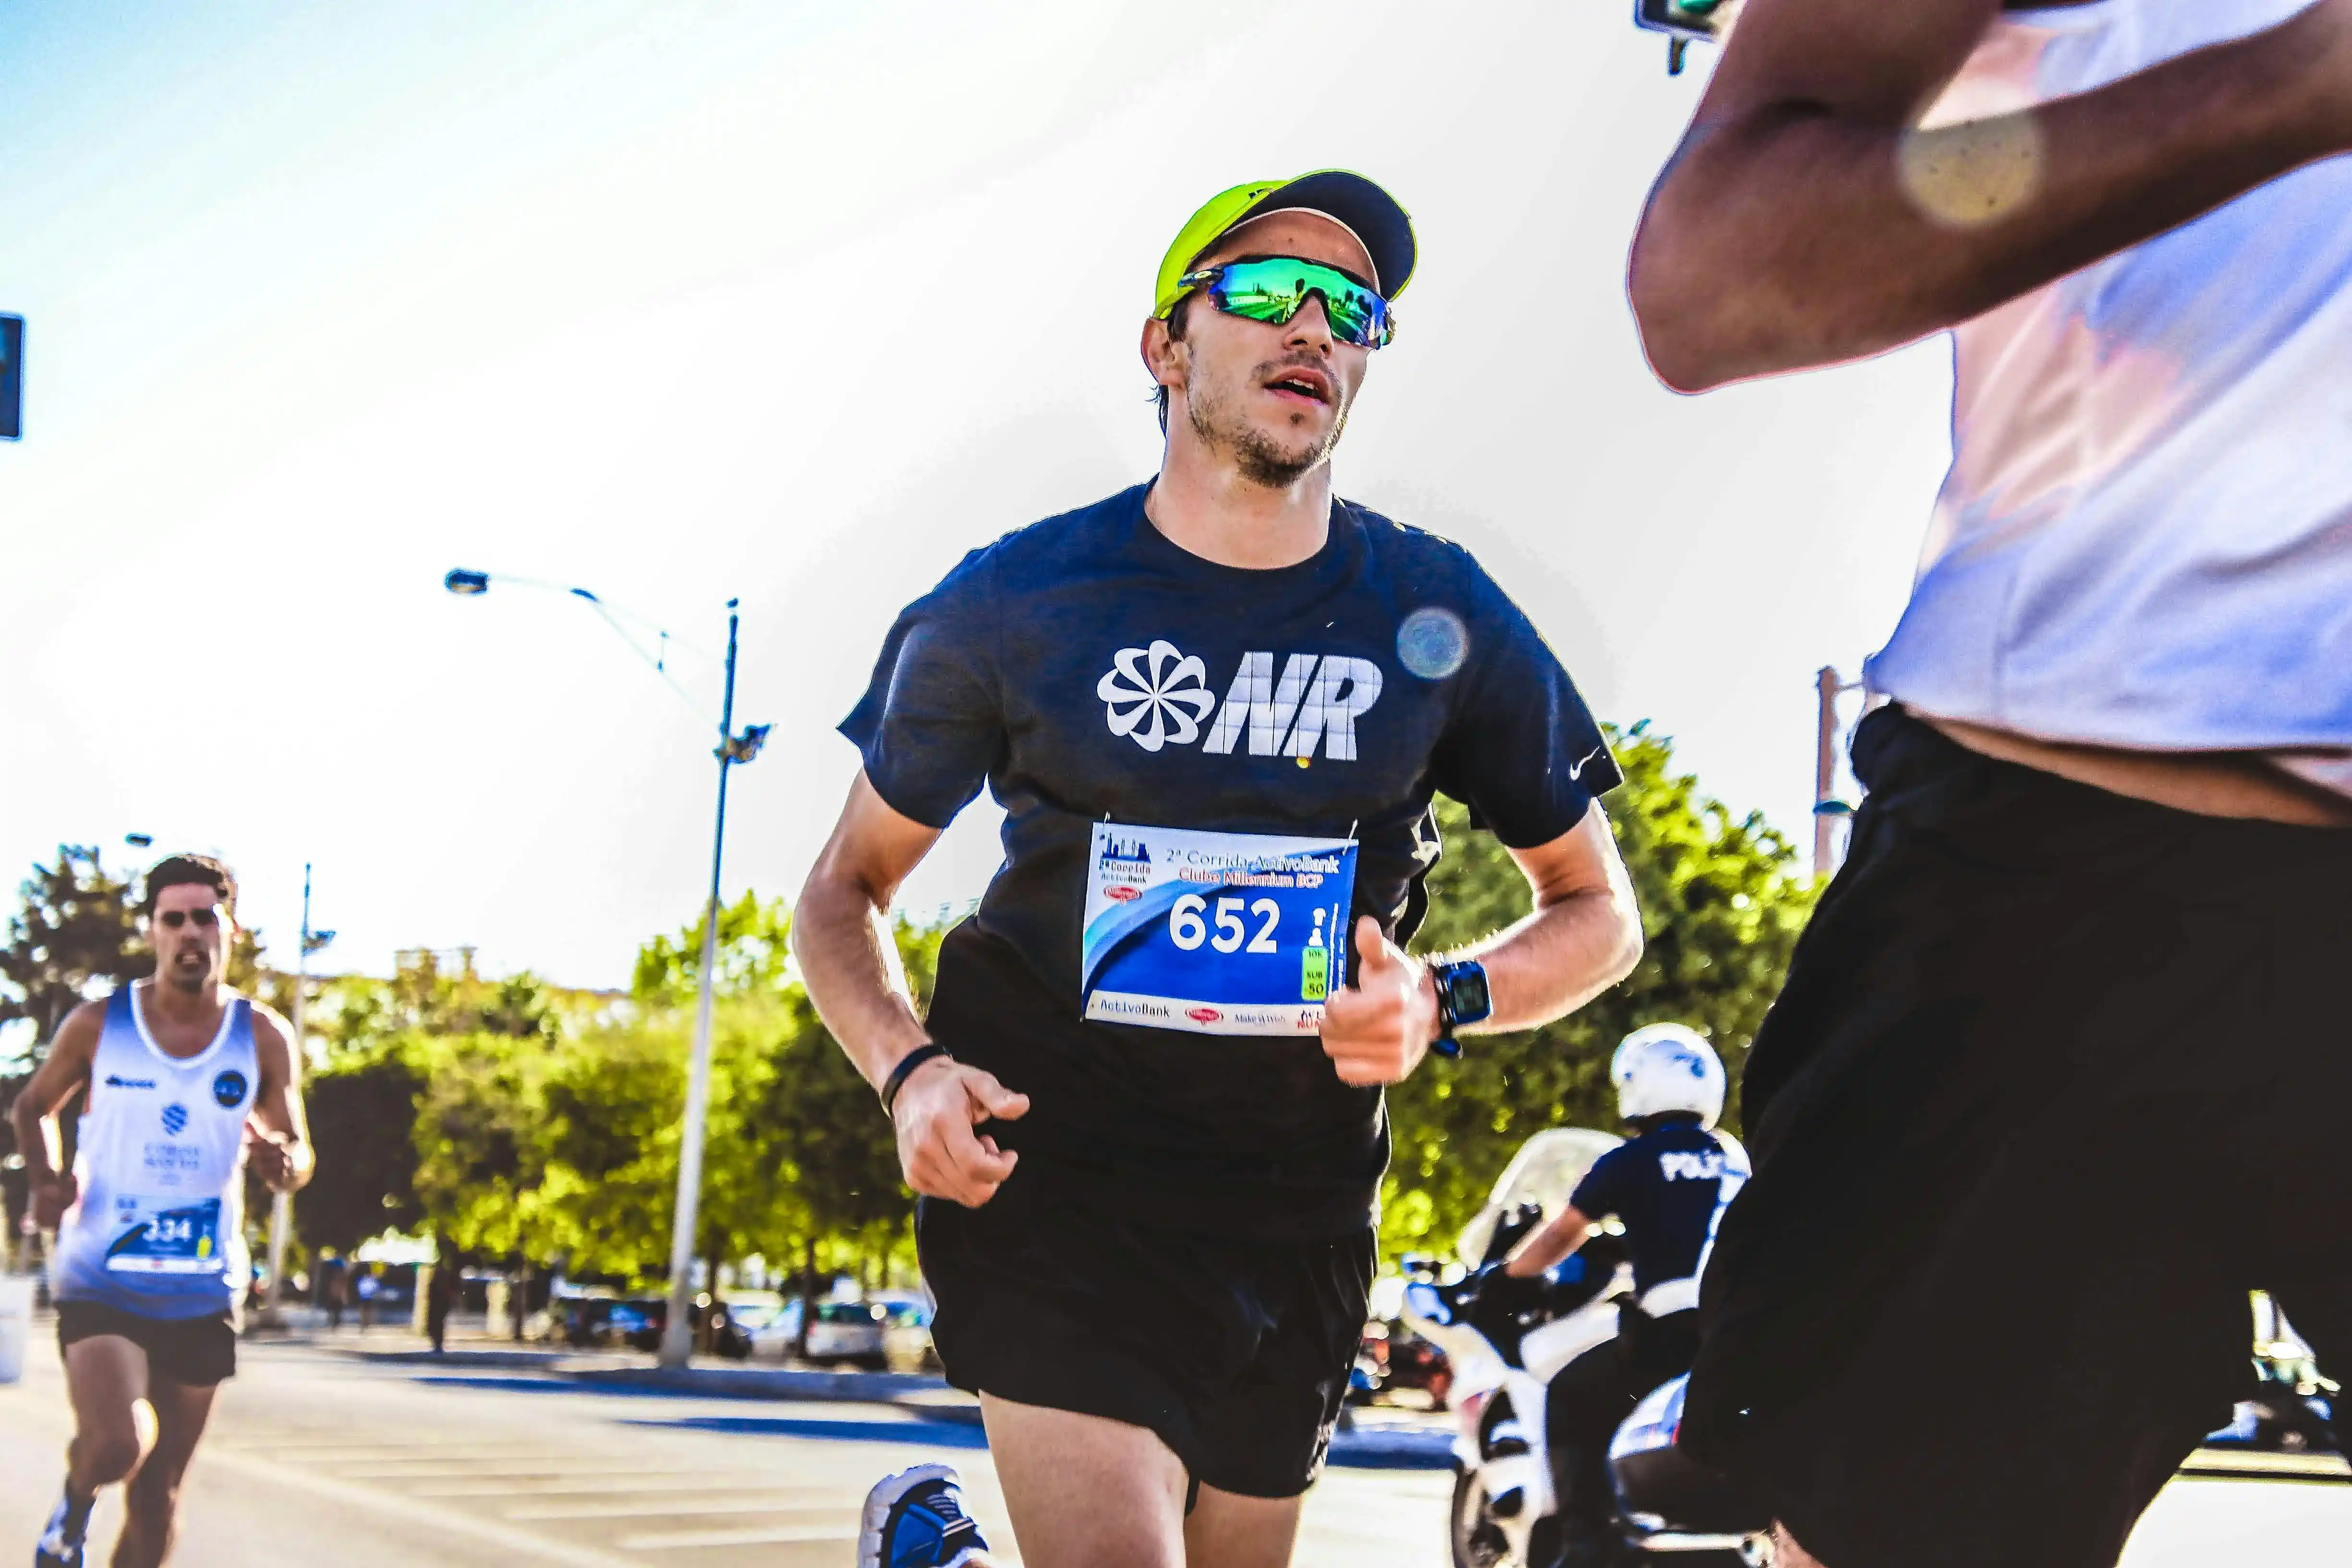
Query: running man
x=187 y=1084
x=2074 y=1001
x=1144 y=1112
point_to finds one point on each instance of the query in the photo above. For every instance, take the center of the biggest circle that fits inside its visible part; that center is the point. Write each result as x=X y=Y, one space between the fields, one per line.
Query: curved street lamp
x=677 y=1333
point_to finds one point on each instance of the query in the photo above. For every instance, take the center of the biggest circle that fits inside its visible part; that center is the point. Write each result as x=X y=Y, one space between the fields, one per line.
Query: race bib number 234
x=1218 y=933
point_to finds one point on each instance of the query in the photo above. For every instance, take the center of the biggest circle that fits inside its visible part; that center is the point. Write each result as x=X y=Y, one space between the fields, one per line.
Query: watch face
x=1467 y=985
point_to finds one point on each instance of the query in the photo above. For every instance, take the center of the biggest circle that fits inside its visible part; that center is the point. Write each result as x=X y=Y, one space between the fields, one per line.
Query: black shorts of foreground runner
x=198 y=1352
x=2056 y=1078
x=1233 y=1351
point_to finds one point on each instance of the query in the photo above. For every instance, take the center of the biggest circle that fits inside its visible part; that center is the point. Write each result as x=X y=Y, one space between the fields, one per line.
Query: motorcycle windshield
x=1545 y=1172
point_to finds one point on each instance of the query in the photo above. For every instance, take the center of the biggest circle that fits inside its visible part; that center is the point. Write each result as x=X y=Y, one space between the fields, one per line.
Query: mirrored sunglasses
x=1273 y=289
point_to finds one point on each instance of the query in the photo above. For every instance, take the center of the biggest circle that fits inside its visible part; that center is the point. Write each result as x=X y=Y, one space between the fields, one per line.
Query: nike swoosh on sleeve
x=1576 y=770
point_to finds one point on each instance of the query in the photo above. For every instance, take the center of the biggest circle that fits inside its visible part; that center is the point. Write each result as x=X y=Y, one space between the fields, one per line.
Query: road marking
x=783 y=1536
x=554 y=1468
x=413 y=1511
x=697 y=1481
x=839 y=1502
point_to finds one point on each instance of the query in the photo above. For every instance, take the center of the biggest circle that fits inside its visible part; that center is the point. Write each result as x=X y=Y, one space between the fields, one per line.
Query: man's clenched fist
x=270 y=1156
x=1379 y=1025
x=936 y=1108
x=52 y=1199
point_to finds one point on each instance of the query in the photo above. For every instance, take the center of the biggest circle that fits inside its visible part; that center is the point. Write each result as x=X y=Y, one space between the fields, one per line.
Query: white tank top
x=2145 y=538
x=158 y=1228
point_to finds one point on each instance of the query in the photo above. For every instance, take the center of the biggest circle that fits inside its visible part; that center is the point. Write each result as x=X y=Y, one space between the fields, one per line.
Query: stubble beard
x=1262 y=459
x=190 y=982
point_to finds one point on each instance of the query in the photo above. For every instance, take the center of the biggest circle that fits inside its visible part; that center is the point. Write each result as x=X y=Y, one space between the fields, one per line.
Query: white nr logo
x=1159 y=694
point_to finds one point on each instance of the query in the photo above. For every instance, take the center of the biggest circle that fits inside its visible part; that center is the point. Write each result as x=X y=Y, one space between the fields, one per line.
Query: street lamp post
x=281 y=1208
x=1828 y=809
x=677 y=1331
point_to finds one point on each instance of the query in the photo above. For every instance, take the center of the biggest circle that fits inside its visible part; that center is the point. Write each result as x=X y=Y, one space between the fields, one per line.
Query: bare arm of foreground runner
x=63 y=1073
x=1805 y=220
x=1583 y=936
x=841 y=936
x=277 y=1134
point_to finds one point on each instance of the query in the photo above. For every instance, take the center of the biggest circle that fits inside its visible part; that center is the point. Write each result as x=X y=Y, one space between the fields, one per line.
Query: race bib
x=1220 y=933
x=152 y=1238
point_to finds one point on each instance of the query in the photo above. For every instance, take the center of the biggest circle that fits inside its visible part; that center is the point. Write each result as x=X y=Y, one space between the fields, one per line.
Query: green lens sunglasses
x=1273 y=289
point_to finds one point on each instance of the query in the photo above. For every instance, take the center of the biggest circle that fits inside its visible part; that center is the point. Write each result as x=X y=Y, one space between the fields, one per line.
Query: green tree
x=810 y=1120
x=479 y=1152
x=1722 y=900
x=422 y=998
x=612 y=1100
x=74 y=931
x=364 y=1111
x=753 y=958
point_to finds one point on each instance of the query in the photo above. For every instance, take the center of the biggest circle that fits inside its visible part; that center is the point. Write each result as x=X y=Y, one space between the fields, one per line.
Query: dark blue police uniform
x=1668 y=1186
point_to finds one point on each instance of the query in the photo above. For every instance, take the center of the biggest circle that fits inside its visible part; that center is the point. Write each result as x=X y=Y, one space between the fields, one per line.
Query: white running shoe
x=916 y=1519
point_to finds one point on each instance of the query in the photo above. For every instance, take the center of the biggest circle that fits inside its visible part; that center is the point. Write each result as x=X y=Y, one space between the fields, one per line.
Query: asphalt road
x=316 y=1458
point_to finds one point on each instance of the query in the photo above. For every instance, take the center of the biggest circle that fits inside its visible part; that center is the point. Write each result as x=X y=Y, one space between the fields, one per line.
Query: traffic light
x=12 y=378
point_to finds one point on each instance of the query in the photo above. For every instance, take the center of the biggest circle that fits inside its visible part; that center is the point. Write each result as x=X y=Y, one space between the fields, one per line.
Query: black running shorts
x=197 y=1352
x=1236 y=1353
x=2057 y=1078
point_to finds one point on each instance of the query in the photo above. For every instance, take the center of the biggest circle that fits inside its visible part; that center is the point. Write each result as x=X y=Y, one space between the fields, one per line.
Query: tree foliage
x=363 y=1109
x=1722 y=902
x=75 y=932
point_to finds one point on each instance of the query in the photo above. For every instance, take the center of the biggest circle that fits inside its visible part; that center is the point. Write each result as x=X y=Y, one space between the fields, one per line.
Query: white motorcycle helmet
x=1667 y=1066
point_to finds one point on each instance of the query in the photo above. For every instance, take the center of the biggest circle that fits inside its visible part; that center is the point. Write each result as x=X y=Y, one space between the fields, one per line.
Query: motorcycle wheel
x=1476 y=1540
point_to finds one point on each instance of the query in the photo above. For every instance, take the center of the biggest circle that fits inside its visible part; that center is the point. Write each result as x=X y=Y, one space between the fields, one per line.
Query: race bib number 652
x=1220 y=933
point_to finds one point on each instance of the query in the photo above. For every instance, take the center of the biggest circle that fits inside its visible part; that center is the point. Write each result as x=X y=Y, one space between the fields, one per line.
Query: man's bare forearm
x=850 y=964
x=1557 y=959
x=35 y=1138
x=1791 y=233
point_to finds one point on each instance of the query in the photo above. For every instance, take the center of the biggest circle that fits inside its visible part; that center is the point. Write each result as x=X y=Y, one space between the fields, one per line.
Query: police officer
x=1144 y=1111
x=1668 y=1186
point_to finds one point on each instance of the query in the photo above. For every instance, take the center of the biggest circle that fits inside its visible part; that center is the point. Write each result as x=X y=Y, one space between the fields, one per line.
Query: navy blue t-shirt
x=1088 y=668
x=1665 y=1186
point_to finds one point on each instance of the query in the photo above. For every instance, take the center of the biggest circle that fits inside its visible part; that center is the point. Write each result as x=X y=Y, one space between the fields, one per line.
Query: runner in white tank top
x=185 y=1085
x=159 y=1159
x=2136 y=217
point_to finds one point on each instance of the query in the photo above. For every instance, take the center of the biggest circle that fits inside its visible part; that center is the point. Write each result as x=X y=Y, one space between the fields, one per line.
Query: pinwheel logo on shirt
x=1159 y=687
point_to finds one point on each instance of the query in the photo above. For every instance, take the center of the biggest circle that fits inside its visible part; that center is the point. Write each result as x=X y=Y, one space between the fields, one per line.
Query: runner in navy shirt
x=1089 y=669
x=1144 y=1111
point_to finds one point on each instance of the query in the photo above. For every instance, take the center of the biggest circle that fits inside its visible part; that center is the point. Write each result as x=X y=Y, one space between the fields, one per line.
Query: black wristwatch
x=1461 y=998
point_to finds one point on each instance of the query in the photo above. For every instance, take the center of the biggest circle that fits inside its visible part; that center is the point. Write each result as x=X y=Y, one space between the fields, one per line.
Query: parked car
x=774 y=1326
x=592 y=1323
x=861 y=1332
x=907 y=1337
x=1391 y=1359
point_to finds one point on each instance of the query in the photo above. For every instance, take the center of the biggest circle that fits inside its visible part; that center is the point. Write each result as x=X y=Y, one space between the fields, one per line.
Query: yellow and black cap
x=1375 y=218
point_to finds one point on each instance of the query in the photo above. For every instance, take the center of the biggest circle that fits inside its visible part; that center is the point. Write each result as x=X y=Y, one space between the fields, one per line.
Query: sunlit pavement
x=316 y=1458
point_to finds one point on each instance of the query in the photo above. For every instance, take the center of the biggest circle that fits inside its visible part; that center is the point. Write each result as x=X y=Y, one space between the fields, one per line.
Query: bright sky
x=793 y=303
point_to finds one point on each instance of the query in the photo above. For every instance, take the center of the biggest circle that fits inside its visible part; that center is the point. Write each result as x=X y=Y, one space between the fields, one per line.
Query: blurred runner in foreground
x=1216 y=707
x=186 y=1084
x=2074 y=1002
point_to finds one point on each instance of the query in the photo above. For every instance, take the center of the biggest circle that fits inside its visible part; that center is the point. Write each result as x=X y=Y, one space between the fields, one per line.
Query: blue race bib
x=154 y=1239
x=1219 y=933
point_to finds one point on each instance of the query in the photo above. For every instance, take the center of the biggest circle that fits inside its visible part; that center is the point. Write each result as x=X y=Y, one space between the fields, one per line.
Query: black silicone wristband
x=905 y=1070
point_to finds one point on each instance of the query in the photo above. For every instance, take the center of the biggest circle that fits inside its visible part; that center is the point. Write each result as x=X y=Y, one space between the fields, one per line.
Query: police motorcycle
x=1508 y=1340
